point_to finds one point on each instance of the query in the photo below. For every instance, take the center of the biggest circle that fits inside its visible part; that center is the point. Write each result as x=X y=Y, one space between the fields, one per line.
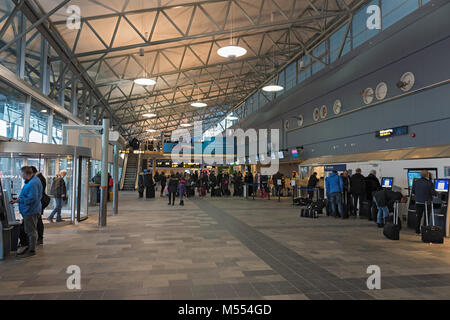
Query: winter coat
x=148 y=180
x=30 y=198
x=423 y=189
x=173 y=185
x=372 y=185
x=312 y=182
x=334 y=183
x=358 y=184
x=58 y=187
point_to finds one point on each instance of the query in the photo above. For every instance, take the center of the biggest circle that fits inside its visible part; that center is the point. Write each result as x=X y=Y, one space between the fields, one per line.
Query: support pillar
x=26 y=120
x=50 y=127
x=116 y=180
x=21 y=45
x=44 y=85
x=104 y=182
x=74 y=98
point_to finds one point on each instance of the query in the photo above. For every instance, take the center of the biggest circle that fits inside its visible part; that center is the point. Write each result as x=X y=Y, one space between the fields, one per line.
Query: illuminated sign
x=398 y=131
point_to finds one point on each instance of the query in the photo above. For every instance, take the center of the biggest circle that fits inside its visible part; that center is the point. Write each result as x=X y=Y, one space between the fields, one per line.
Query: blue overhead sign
x=336 y=167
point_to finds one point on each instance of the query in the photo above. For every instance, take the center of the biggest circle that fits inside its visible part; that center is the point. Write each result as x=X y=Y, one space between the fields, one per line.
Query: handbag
x=45 y=201
x=166 y=190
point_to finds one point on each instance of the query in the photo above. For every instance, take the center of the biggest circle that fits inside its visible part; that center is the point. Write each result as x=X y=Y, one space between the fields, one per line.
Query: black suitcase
x=431 y=234
x=364 y=209
x=391 y=230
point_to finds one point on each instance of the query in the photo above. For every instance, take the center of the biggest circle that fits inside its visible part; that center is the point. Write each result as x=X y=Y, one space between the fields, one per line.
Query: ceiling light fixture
x=185 y=125
x=232 y=117
x=150 y=130
x=231 y=51
x=149 y=115
x=145 y=80
x=199 y=104
x=272 y=88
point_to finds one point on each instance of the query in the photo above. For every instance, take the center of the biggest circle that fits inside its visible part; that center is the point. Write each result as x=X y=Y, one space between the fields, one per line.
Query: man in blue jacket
x=335 y=186
x=30 y=207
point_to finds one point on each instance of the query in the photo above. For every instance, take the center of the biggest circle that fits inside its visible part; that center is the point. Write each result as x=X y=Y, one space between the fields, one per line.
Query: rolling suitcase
x=391 y=230
x=431 y=234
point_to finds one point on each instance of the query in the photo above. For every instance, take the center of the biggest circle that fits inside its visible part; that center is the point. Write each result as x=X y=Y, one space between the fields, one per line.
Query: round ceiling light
x=145 y=81
x=185 y=125
x=273 y=88
x=199 y=104
x=149 y=115
x=232 y=117
x=150 y=130
x=231 y=52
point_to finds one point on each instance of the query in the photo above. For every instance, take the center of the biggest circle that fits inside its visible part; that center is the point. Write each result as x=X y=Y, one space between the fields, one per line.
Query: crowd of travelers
x=347 y=194
x=205 y=182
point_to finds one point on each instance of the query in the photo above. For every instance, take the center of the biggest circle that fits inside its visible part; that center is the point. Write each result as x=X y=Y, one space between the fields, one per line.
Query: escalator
x=130 y=172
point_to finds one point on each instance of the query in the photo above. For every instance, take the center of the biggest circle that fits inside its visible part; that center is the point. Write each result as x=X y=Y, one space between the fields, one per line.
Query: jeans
x=172 y=195
x=420 y=208
x=383 y=212
x=30 y=226
x=57 y=209
x=336 y=199
x=40 y=228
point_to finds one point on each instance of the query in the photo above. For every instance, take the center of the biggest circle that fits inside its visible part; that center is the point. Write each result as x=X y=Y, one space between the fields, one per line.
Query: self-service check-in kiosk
x=440 y=204
x=387 y=183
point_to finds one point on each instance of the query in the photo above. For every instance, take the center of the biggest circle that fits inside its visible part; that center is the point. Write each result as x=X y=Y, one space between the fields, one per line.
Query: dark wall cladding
x=420 y=43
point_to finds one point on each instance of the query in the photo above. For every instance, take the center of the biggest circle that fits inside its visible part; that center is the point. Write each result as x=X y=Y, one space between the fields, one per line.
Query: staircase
x=131 y=172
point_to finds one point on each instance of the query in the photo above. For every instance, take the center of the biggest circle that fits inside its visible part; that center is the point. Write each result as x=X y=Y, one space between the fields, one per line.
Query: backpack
x=45 y=201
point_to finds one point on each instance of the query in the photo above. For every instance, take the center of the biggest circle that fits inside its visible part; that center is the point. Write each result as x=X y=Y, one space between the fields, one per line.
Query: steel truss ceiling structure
x=179 y=40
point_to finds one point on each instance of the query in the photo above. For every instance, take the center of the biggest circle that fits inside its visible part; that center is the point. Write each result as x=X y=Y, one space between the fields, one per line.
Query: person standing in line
x=312 y=183
x=162 y=180
x=172 y=186
x=423 y=190
x=156 y=179
x=149 y=185
x=372 y=185
x=335 y=187
x=181 y=190
x=60 y=194
x=141 y=186
x=358 y=188
x=30 y=208
x=45 y=201
x=347 y=192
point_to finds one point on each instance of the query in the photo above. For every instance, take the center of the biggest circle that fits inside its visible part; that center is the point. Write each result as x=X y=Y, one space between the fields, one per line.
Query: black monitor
x=387 y=182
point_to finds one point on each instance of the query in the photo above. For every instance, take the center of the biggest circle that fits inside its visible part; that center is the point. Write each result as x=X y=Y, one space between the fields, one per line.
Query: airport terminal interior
x=224 y=149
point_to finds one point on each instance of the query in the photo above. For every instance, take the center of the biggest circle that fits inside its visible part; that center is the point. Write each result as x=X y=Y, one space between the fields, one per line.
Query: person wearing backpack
x=60 y=193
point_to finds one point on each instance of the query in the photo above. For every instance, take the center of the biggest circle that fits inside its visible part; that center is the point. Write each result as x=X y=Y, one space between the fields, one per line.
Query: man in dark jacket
x=277 y=177
x=141 y=185
x=149 y=185
x=172 y=187
x=60 y=193
x=357 y=188
x=162 y=180
x=423 y=190
x=372 y=185
x=312 y=183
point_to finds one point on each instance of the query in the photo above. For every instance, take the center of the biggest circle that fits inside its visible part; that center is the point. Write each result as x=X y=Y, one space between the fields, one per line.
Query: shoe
x=40 y=242
x=61 y=220
x=169 y=204
x=418 y=234
x=22 y=250
x=27 y=253
x=380 y=225
x=50 y=220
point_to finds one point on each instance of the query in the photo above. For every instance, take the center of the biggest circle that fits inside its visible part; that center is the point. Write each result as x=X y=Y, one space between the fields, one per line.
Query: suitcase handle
x=396 y=212
x=426 y=213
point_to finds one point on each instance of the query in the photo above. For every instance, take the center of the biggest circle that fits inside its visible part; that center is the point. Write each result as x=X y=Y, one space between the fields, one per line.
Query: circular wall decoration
x=323 y=111
x=300 y=120
x=316 y=114
x=337 y=107
x=381 y=91
x=408 y=80
x=286 y=124
x=368 y=95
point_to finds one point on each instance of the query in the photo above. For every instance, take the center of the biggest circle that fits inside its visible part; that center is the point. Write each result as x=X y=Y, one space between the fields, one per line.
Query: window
x=336 y=40
x=393 y=11
x=359 y=26
x=38 y=123
x=57 y=129
x=291 y=75
x=12 y=106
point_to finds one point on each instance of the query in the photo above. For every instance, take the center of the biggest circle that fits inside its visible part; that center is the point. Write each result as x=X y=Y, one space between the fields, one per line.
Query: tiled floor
x=226 y=248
